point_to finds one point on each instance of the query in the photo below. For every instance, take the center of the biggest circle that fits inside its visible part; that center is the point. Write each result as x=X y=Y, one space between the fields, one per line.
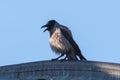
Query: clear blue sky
x=95 y=25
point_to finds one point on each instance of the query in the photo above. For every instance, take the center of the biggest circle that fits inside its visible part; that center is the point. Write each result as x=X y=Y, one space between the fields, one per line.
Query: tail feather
x=81 y=57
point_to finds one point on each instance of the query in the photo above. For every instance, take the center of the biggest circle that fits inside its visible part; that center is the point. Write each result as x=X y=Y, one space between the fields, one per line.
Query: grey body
x=61 y=41
x=61 y=45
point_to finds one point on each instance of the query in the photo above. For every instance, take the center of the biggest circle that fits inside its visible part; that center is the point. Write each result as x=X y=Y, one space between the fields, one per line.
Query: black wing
x=71 y=41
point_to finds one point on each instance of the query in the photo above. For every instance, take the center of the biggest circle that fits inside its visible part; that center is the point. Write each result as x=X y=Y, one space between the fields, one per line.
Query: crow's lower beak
x=44 y=27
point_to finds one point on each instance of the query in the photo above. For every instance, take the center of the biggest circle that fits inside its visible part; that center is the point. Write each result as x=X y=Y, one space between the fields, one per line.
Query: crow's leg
x=58 y=57
x=72 y=57
x=64 y=58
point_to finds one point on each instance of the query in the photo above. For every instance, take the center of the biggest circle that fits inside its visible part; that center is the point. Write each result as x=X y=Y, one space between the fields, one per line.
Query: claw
x=55 y=59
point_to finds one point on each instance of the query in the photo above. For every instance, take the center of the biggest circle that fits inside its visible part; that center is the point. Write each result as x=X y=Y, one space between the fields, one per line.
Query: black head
x=50 y=24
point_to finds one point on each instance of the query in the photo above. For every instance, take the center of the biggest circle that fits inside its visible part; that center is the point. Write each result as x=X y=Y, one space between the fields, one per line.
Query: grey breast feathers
x=59 y=43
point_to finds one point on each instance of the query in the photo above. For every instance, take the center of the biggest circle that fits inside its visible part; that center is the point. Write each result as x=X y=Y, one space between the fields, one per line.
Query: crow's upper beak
x=44 y=27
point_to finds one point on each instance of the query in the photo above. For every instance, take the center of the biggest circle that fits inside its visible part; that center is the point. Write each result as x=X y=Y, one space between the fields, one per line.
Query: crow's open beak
x=45 y=26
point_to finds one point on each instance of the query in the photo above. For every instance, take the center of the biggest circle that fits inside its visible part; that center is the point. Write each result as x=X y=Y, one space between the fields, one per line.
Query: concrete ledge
x=66 y=70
